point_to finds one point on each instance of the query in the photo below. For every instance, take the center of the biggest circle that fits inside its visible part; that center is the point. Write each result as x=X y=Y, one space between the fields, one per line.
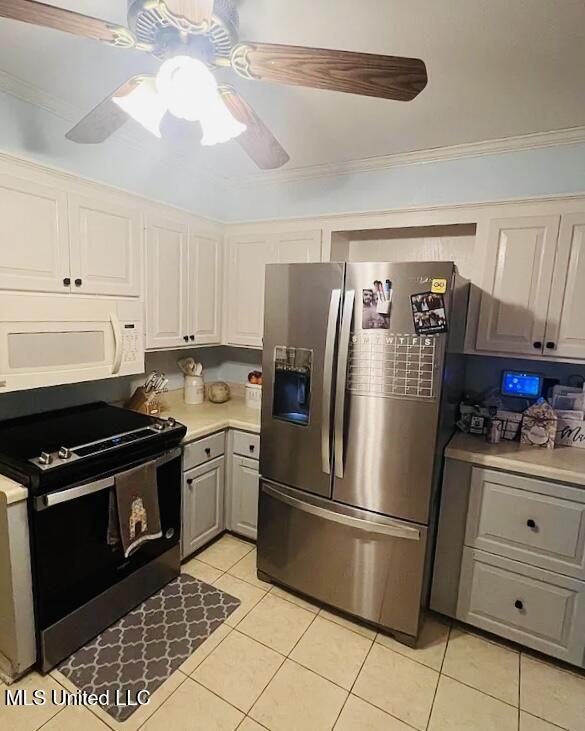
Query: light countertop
x=11 y=491
x=564 y=464
x=207 y=417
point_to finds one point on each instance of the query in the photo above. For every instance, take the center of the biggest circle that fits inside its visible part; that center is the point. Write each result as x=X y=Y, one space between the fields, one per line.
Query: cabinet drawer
x=248 y=445
x=536 y=608
x=537 y=522
x=203 y=450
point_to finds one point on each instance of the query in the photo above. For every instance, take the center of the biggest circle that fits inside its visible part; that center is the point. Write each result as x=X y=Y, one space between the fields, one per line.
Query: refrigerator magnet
x=428 y=313
x=439 y=286
x=375 y=308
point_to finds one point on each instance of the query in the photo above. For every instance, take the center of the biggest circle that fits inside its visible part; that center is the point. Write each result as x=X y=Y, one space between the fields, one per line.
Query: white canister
x=253 y=395
x=194 y=390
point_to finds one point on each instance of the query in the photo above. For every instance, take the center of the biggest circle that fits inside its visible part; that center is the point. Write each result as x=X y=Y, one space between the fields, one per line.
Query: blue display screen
x=523 y=385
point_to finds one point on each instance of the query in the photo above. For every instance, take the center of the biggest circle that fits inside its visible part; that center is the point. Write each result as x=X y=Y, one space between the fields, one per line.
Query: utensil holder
x=193 y=391
x=253 y=396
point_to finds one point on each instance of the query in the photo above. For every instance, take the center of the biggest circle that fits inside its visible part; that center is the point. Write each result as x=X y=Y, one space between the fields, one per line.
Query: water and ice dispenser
x=292 y=384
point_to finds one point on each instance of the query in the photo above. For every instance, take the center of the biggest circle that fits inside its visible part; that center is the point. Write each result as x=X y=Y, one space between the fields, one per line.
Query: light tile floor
x=284 y=664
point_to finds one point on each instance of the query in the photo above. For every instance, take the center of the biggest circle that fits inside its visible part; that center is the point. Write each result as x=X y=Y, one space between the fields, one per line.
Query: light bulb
x=145 y=105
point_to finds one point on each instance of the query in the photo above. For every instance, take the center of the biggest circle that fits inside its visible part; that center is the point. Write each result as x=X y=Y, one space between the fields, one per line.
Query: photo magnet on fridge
x=376 y=306
x=428 y=313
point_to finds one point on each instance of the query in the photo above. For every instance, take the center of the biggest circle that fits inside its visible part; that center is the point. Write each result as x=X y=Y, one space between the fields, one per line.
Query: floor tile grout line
x=354 y=681
x=38 y=728
x=440 y=675
x=479 y=690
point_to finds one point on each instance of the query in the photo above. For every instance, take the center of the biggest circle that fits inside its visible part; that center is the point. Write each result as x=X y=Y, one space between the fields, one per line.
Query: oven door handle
x=44 y=502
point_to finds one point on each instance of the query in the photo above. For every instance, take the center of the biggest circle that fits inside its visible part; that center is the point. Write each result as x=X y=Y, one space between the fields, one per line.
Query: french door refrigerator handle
x=342 y=379
x=56 y=498
x=390 y=528
x=334 y=303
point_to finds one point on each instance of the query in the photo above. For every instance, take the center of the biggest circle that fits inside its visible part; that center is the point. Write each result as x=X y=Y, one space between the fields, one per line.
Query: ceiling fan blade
x=257 y=141
x=388 y=77
x=69 y=21
x=197 y=11
x=105 y=119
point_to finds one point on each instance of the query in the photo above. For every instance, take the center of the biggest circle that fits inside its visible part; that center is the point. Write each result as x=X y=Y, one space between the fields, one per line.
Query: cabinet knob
x=78 y=282
x=186 y=338
x=190 y=481
x=537 y=344
x=531 y=523
x=550 y=345
x=519 y=604
x=192 y=337
x=66 y=282
x=252 y=448
x=208 y=451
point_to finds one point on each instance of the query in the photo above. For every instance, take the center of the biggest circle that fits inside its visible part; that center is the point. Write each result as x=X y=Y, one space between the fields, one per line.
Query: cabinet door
x=244 y=297
x=514 y=304
x=202 y=505
x=244 y=496
x=166 y=301
x=297 y=247
x=204 y=289
x=106 y=247
x=565 y=333
x=34 y=248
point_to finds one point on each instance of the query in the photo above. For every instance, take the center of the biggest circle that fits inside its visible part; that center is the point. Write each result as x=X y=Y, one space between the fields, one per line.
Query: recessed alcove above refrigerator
x=454 y=242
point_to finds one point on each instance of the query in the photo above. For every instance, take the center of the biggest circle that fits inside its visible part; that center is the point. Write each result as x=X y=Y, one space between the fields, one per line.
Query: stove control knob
x=45 y=459
x=64 y=453
x=159 y=426
x=171 y=422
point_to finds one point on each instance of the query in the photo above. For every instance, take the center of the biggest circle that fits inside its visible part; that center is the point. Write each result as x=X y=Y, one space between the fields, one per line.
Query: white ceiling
x=497 y=68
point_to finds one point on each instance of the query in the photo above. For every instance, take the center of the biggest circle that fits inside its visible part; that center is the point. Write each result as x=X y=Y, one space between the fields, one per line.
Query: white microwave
x=47 y=340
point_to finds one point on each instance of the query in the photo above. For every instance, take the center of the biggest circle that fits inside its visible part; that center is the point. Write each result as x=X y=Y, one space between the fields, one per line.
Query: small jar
x=194 y=390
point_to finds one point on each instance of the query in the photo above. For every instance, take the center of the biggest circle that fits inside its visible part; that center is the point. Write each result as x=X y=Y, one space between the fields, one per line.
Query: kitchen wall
x=220 y=364
x=483 y=372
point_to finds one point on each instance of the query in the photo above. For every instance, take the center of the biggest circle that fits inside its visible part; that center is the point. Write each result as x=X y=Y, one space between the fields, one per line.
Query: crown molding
x=533 y=141
x=58 y=107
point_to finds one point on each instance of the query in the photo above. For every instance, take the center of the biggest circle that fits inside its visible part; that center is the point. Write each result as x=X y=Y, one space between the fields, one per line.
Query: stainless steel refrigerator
x=362 y=376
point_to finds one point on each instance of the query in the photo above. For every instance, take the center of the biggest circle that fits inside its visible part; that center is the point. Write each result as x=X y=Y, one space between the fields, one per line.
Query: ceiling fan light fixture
x=219 y=125
x=145 y=105
x=189 y=91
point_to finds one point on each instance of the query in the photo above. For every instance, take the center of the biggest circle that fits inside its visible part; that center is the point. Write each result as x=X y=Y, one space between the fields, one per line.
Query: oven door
x=81 y=584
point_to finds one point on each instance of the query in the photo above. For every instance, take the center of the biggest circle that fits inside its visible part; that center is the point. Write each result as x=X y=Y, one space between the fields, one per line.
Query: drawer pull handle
x=190 y=481
x=519 y=604
x=252 y=447
x=531 y=523
x=208 y=451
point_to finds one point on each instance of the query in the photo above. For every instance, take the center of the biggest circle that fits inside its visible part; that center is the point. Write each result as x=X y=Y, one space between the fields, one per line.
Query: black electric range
x=69 y=460
x=49 y=450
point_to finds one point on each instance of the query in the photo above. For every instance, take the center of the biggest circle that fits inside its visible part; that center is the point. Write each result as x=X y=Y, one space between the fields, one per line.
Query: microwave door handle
x=117 y=330
x=342 y=379
x=327 y=380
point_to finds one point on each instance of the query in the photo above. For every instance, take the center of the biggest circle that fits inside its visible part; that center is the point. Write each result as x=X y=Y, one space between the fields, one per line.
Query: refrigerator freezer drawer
x=359 y=562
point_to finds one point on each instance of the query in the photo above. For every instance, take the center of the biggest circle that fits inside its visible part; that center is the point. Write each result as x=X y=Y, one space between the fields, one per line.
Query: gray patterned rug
x=143 y=648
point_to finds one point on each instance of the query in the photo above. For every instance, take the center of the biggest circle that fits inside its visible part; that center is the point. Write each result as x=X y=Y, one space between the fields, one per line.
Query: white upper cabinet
x=247 y=258
x=166 y=283
x=34 y=241
x=565 y=332
x=517 y=284
x=297 y=247
x=204 y=289
x=106 y=247
x=244 y=296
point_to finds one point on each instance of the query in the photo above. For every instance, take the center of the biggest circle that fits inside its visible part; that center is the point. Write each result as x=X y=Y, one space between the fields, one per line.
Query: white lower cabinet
x=203 y=503
x=244 y=486
x=537 y=608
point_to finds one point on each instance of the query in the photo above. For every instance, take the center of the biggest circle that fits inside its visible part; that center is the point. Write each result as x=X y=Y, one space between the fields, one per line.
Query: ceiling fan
x=193 y=38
